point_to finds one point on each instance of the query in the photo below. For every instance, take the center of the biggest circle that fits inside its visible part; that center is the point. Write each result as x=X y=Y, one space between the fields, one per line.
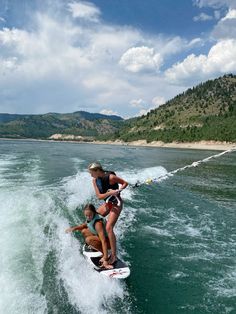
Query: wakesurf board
x=120 y=269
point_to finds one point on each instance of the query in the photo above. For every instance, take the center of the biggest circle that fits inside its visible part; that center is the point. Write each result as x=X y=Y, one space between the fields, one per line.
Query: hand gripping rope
x=110 y=203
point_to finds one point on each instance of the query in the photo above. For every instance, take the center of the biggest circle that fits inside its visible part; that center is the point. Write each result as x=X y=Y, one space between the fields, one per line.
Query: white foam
x=141 y=175
x=226 y=285
x=191 y=231
x=78 y=189
x=23 y=250
x=178 y=275
x=157 y=231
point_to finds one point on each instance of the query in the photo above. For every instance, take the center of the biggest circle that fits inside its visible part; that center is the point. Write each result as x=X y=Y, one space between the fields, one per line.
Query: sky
x=122 y=57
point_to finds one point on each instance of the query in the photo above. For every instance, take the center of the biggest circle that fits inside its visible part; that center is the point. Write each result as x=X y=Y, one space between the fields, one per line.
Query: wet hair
x=90 y=207
x=95 y=166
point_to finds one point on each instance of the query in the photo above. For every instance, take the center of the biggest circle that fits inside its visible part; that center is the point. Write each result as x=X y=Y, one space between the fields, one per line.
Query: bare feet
x=106 y=265
x=101 y=260
x=112 y=260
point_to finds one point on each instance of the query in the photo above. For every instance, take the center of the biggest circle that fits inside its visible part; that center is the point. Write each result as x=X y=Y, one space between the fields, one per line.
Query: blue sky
x=120 y=57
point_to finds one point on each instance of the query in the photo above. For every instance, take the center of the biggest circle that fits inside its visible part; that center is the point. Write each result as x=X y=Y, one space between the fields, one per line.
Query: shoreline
x=201 y=145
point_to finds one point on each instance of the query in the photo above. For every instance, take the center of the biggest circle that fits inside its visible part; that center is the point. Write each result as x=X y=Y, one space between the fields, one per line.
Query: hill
x=80 y=123
x=204 y=112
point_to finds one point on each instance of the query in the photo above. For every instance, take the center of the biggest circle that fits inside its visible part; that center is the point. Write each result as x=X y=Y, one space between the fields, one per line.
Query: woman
x=94 y=232
x=106 y=186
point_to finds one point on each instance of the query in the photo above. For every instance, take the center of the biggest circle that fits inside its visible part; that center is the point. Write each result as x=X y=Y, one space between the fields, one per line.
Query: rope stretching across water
x=171 y=173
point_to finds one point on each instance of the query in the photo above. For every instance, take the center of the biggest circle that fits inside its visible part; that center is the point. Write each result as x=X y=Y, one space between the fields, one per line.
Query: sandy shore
x=208 y=145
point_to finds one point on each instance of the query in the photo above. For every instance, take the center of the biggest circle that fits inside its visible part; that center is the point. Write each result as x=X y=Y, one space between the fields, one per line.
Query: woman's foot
x=112 y=259
x=101 y=260
x=106 y=265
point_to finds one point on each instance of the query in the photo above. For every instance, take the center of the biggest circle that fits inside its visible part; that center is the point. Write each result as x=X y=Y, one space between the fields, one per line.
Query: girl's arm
x=101 y=196
x=114 y=179
x=79 y=228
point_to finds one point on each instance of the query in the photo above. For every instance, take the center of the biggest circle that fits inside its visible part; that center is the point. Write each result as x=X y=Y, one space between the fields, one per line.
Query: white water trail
x=192 y=165
x=23 y=243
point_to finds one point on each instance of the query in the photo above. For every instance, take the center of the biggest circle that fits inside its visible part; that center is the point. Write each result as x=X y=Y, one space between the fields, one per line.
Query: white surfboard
x=120 y=270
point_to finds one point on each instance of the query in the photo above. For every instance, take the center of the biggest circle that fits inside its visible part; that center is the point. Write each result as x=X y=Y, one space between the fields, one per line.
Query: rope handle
x=117 y=199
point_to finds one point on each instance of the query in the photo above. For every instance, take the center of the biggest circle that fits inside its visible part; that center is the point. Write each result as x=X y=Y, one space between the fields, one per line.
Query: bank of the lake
x=208 y=145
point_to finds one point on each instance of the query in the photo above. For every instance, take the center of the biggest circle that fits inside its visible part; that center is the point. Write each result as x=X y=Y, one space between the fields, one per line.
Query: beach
x=208 y=145
x=202 y=145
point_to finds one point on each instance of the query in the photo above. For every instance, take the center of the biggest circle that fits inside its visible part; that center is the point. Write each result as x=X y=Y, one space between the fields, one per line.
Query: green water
x=178 y=235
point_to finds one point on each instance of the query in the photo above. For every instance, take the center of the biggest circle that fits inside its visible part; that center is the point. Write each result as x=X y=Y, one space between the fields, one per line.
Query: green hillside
x=204 y=112
x=43 y=126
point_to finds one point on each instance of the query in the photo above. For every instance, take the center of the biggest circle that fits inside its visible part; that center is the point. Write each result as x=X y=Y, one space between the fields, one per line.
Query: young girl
x=106 y=184
x=94 y=232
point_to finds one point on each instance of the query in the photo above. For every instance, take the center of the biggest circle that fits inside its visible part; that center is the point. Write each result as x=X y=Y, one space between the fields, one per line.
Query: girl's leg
x=112 y=218
x=103 y=210
x=94 y=242
x=92 y=239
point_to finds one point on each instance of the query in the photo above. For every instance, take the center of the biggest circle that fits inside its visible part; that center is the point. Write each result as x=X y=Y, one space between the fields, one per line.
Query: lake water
x=178 y=234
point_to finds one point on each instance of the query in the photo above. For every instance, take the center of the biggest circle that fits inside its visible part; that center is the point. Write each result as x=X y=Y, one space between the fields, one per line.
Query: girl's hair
x=95 y=166
x=90 y=207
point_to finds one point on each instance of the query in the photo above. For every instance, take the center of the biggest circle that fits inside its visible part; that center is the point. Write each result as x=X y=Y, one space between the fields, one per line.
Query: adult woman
x=94 y=233
x=106 y=184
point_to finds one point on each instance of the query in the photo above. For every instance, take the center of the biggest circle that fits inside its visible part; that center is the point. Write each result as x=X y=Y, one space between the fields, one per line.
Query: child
x=94 y=232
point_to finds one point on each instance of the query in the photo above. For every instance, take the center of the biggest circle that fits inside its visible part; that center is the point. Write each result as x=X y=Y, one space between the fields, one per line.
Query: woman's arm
x=79 y=228
x=114 y=179
x=101 y=196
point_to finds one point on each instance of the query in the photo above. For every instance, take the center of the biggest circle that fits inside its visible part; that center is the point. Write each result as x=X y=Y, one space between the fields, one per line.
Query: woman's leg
x=94 y=242
x=112 y=219
x=92 y=239
x=103 y=210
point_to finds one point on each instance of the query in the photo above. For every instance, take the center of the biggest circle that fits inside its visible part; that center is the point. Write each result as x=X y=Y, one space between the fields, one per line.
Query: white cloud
x=215 y=3
x=84 y=10
x=144 y=106
x=220 y=59
x=7 y=65
x=230 y=15
x=202 y=17
x=142 y=112
x=158 y=101
x=217 y=14
x=2 y=20
x=195 y=42
x=226 y=27
x=137 y=103
x=108 y=112
x=62 y=64
x=139 y=59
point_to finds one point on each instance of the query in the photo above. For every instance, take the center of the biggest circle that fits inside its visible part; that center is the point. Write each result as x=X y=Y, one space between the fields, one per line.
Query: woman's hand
x=113 y=192
x=68 y=230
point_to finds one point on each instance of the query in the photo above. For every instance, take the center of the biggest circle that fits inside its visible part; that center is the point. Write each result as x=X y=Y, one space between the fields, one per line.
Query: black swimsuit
x=103 y=184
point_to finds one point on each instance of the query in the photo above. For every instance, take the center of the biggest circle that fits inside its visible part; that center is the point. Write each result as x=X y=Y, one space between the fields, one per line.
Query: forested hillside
x=43 y=126
x=204 y=112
